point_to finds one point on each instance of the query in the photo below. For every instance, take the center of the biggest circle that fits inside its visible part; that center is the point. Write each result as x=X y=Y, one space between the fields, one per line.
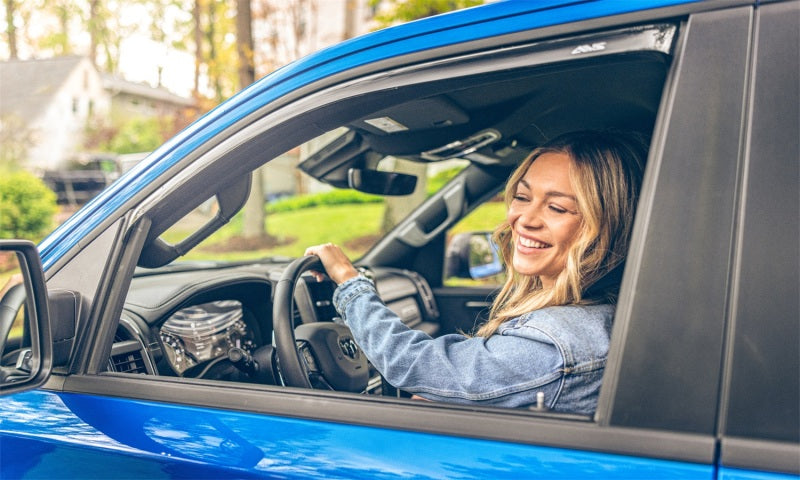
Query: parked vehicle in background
x=80 y=181
x=134 y=361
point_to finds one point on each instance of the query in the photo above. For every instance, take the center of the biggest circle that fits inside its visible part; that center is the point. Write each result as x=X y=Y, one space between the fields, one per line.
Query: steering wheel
x=314 y=355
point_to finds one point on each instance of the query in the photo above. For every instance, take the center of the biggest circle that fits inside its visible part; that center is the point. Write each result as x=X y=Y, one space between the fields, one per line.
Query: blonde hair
x=605 y=173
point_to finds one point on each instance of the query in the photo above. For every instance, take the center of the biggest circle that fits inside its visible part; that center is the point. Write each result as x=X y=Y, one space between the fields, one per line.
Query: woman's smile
x=531 y=243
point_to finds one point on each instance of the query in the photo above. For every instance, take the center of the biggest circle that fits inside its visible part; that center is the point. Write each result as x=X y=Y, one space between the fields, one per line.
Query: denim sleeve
x=504 y=370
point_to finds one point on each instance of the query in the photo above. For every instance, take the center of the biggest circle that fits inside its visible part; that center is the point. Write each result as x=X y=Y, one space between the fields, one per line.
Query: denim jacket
x=559 y=351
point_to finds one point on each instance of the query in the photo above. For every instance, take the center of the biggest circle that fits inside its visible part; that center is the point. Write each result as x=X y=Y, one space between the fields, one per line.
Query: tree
x=106 y=33
x=65 y=11
x=397 y=11
x=11 y=28
x=254 y=212
x=18 y=25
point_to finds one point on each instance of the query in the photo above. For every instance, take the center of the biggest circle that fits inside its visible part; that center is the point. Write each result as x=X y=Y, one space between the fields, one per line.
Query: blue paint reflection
x=48 y=435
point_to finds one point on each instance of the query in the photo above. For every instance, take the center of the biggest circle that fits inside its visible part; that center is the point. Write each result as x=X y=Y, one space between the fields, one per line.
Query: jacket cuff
x=350 y=289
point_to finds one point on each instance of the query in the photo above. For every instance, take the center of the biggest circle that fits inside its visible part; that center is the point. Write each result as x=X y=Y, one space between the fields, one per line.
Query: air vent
x=126 y=357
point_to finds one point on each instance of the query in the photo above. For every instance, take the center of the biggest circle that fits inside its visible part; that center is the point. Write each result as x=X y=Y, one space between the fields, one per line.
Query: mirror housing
x=34 y=358
x=381 y=183
x=472 y=255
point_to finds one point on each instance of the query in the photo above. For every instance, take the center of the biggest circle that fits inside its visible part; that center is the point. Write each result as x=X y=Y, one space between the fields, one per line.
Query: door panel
x=461 y=309
x=76 y=435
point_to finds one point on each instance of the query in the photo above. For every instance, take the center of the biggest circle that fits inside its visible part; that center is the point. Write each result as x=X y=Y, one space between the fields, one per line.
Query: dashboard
x=188 y=320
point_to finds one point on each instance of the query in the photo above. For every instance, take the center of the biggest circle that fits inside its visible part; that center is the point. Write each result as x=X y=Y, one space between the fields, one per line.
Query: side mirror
x=26 y=346
x=472 y=255
x=381 y=183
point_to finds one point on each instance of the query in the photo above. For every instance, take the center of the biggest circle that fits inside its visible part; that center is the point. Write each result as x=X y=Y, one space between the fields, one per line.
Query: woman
x=570 y=207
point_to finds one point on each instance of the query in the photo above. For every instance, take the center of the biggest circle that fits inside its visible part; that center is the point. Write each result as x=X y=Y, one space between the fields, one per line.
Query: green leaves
x=27 y=206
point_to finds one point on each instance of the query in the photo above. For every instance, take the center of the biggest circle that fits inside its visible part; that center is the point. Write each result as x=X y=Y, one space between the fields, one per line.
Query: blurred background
x=89 y=87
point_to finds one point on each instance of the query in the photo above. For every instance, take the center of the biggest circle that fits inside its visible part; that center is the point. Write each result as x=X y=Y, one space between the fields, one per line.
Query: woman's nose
x=531 y=217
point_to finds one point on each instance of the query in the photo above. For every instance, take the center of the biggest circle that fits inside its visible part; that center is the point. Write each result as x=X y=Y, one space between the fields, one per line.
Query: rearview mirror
x=26 y=347
x=381 y=183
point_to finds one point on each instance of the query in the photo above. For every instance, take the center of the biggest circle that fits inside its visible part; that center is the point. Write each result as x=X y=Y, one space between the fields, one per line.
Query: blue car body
x=50 y=433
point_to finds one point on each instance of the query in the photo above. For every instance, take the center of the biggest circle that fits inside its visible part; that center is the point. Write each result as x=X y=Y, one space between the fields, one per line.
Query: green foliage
x=332 y=197
x=408 y=10
x=138 y=134
x=27 y=206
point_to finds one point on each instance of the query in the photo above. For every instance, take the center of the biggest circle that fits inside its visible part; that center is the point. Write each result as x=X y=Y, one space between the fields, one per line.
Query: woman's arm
x=506 y=370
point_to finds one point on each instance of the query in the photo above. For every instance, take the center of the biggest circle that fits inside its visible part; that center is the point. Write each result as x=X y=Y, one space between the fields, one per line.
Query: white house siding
x=58 y=131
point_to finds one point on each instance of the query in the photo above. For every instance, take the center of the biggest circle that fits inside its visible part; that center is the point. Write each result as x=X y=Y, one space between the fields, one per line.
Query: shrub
x=27 y=206
x=332 y=197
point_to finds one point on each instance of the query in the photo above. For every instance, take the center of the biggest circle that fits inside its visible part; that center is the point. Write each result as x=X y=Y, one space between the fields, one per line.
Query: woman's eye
x=520 y=198
x=558 y=209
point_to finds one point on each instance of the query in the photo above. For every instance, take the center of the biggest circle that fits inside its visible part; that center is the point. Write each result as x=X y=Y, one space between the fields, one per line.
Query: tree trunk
x=198 y=46
x=11 y=30
x=244 y=43
x=94 y=30
x=349 y=19
x=254 y=213
x=213 y=70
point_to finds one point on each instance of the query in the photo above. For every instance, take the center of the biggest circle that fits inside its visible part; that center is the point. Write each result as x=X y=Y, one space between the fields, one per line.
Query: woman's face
x=544 y=218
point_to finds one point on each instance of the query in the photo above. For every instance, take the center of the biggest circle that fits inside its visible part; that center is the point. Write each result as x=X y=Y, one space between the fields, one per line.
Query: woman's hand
x=336 y=263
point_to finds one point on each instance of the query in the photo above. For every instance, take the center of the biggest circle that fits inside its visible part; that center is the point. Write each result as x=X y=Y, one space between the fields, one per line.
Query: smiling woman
x=579 y=192
x=570 y=206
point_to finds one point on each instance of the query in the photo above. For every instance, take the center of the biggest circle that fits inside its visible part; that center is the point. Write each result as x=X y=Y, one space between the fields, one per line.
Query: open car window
x=301 y=210
x=445 y=136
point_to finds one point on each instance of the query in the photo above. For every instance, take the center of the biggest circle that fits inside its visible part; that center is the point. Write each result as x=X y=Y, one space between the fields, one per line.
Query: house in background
x=47 y=103
x=132 y=99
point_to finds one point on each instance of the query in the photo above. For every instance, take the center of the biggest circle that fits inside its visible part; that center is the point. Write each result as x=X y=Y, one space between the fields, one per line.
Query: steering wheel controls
x=308 y=357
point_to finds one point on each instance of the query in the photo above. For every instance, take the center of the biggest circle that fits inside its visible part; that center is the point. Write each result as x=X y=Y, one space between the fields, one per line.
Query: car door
x=651 y=422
